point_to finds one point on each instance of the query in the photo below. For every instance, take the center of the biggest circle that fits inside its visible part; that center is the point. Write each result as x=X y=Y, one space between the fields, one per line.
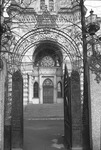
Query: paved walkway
x=43 y=111
x=44 y=135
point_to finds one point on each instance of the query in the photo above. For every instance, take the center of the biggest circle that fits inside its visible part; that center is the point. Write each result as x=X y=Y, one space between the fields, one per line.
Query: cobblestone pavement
x=44 y=135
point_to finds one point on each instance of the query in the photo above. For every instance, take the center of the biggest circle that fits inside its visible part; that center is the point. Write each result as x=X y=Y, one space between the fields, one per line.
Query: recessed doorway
x=48 y=91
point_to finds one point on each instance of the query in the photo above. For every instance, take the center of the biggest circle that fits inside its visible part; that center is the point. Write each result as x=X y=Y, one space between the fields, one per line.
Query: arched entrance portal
x=47 y=71
x=47 y=91
x=25 y=47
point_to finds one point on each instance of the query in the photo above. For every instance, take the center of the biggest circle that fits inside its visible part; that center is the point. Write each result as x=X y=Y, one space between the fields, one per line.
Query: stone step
x=43 y=111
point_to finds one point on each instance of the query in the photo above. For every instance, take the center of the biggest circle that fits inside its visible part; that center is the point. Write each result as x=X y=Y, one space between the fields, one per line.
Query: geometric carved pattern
x=47 y=61
x=95 y=66
x=48 y=82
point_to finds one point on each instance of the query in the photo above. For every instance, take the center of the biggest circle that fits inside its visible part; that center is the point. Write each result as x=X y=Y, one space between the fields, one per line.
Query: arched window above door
x=59 y=90
x=36 y=90
x=47 y=61
x=48 y=82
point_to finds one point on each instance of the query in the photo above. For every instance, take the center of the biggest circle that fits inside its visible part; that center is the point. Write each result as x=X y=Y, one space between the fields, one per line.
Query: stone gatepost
x=17 y=112
x=95 y=112
x=76 y=111
x=3 y=73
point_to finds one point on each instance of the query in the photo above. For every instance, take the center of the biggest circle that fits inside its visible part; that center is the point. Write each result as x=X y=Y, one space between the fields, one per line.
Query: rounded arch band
x=32 y=38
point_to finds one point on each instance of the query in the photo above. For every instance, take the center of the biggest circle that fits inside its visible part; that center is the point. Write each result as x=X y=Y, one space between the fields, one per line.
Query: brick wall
x=95 y=112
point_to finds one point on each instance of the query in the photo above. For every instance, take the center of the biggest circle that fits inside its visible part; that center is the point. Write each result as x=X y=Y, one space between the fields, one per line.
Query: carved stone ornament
x=46 y=20
x=95 y=66
x=1 y=64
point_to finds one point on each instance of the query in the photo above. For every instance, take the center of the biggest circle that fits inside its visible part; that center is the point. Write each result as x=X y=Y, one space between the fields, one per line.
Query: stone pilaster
x=40 y=90
x=55 y=90
x=17 y=111
x=95 y=113
x=30 y=89
x=2 y=97
x=76 y=112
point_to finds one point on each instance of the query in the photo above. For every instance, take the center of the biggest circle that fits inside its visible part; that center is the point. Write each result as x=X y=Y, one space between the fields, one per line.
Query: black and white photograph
x=50 y=74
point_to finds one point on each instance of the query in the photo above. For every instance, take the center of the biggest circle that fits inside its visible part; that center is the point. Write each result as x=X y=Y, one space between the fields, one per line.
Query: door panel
x=48 y=94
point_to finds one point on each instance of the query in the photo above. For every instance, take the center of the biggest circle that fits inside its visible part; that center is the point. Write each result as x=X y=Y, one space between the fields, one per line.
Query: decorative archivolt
x=48 y=82
x=35 y=36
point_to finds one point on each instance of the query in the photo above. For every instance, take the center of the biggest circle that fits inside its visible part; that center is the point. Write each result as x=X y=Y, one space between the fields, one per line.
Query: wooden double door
x=48 y=91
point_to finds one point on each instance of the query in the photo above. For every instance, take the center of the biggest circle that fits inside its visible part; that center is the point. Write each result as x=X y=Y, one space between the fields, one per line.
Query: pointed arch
x=59 y=89
x=42 y=4
x=36 y=90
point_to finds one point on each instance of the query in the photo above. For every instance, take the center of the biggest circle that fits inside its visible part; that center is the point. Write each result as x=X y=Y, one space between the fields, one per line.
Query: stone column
x=30 y=89
x=40 y=89
x=3 y=74
x=17 y=112
x=95 y=112
x=47 y=3
x=55 y=90
x=76 y=111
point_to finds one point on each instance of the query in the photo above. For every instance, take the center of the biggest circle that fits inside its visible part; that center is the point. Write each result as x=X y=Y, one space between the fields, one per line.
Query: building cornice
x=20 y=10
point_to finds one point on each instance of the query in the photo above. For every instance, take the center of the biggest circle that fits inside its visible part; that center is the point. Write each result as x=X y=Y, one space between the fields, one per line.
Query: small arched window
x=59 y=90
x=36 y=90
x=51 y=5
x=42 y=4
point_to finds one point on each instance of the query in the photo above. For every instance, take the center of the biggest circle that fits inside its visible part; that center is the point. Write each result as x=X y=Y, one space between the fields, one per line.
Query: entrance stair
x=43 y=111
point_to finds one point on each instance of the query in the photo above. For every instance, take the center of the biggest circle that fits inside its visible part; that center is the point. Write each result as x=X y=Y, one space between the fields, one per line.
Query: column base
x=0 y=145
x=77 y=148
x=17 y=149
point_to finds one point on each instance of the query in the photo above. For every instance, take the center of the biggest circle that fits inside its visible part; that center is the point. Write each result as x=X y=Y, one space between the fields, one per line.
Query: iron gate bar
x=67 y=110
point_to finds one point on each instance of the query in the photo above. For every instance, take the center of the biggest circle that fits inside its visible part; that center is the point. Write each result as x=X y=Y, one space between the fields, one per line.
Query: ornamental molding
x=45 y=18
x=45 y=34
x=16 y=8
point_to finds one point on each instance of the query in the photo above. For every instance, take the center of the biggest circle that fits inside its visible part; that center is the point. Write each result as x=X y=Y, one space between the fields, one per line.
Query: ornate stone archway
x=31 y=39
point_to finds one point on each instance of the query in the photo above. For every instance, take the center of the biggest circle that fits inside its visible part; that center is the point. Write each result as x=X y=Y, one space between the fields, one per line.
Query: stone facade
x=39 y=75
x=57 y=43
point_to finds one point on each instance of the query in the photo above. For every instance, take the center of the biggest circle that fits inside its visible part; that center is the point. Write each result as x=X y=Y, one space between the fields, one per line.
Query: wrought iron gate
x=72 y=110
x=67 y=110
